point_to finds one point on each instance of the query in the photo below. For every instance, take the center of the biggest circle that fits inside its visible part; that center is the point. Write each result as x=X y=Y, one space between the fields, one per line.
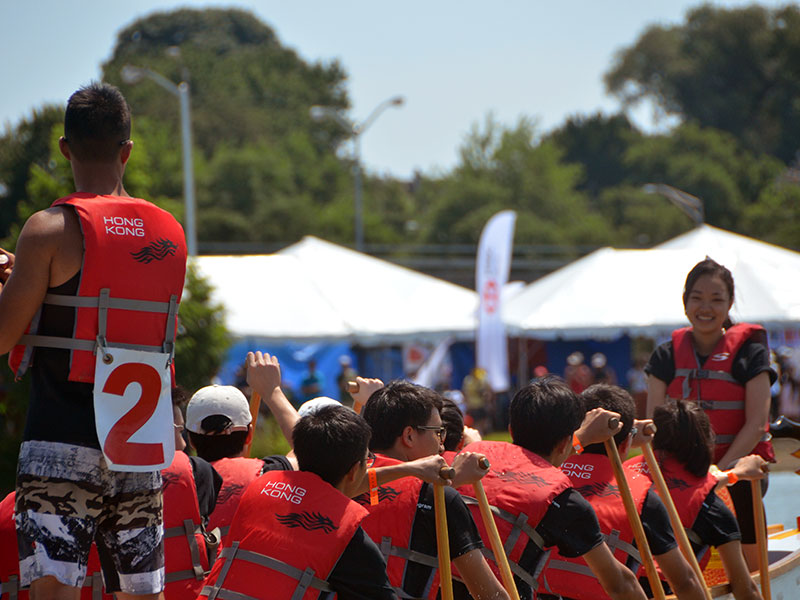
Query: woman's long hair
x=683 y=430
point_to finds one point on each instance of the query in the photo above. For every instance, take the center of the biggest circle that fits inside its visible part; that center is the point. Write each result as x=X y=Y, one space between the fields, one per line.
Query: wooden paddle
x=633 y=515
x=674 y=518
x=442 y=539
x=255 y=404
x=761 y=539
x=352 y=388
x=494 y=536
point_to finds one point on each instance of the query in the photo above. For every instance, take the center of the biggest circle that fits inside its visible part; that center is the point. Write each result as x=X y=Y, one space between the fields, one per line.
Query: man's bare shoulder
x=50 y=223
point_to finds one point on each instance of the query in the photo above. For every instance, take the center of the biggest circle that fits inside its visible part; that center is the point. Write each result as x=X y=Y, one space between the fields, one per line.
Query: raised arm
x=264 y=377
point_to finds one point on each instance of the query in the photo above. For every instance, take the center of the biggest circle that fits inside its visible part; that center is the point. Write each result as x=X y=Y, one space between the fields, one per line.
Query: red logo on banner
x=491 y=296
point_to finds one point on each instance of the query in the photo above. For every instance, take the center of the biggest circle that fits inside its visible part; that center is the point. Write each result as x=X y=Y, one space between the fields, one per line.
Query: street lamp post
x=132 y=75
x=356 y=129
x=691 y=206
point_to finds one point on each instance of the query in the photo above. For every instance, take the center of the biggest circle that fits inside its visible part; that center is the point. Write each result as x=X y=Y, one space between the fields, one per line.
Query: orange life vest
x=390 y=523
x=713 y=387
x=688 y=493
x=520 y=486
x=237 y=473
x=289 y=532
x=132 y=276
x=593 y=476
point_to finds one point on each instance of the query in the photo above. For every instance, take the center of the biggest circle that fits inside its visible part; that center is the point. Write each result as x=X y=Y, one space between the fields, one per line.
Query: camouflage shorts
x=67 y=498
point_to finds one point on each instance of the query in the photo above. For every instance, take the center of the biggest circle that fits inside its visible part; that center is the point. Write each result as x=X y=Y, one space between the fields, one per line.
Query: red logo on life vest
x=491 y=296
x=720 y=357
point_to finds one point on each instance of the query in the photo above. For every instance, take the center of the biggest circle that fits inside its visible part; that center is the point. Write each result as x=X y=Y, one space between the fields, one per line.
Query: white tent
x=613 y=292
x=318 y=291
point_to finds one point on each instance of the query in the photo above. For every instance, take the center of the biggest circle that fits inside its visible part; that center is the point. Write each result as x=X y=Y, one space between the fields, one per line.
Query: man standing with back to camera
x=96 y=280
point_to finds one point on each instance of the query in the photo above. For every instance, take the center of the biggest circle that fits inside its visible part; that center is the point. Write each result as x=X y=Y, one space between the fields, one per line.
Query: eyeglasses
x=370 y=460
x=440 y=430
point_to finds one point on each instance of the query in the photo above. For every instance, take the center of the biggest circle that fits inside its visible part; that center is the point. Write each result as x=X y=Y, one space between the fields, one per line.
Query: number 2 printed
x=117 y=445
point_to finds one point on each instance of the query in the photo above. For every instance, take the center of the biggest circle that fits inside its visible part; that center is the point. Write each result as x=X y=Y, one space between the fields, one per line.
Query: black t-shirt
x=360 y=573
x=461 y=532
x=656 y=525
x=751 y=360
x=715 y=524
x=208 y=483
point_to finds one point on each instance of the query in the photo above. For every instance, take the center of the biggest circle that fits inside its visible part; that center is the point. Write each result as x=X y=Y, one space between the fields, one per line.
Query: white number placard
x=133 y=410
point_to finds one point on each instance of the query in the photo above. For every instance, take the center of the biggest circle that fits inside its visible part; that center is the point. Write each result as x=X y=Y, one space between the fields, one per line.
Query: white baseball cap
x=313 y=405
x=225 y=400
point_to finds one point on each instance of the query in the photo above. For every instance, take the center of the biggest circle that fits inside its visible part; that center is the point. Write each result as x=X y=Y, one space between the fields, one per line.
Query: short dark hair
x=396 y=406
x=711 y=268
x=97 y=121
x=543 y=413
x=330 y=441
x=453 y=422
x=217 y=445
x=684 y=431
x=615 y=399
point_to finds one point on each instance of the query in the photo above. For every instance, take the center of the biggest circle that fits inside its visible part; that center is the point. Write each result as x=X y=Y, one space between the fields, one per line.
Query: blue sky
x=455 y=62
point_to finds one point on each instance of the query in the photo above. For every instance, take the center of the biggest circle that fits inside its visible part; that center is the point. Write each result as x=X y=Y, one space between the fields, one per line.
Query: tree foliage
x=731 y=69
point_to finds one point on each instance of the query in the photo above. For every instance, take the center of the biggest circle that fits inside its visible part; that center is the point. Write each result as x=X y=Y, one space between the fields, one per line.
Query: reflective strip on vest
x=103 y=303
x=189 y=530
x=418 y=557
x=688 y=374
x=10 y=587
x=305 y=578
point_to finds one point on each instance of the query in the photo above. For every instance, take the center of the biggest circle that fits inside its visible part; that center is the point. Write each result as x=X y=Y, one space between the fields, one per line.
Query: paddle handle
x=674 y=518
x=255 y=403
x=761 y=539
x=447 y=472
x=494 y=540
x=635 y=521
x=442 y=543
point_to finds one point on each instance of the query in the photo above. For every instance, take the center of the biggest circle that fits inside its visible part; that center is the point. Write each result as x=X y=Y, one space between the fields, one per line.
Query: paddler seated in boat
x=538 y=506
x=220 y=429
x=684 y=446
x=406 y=424
x=592 y=475
x=299 y=530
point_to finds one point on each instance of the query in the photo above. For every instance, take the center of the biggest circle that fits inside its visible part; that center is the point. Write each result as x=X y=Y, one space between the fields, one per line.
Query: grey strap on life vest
x=387 y=549
x=614 y=542
x=517 y=523
x=305 y=577
x=103 y=302
x=529 y=578
x=94 y=581
x=693 y=537
x=10 y=587
x=188 y=530
x=698 y=374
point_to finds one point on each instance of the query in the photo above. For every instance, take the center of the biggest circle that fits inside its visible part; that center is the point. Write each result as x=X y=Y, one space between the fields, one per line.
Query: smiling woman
x=725 y=369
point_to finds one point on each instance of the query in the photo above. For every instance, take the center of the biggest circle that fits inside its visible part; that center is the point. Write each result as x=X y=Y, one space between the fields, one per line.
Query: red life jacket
x=593 y=476
x=9 y=559
x=390 y=523
x=132 y=276
x=688 y=493
x=237 y=473
x=289 y=532
x=713 y=387
x=520 y=485
x=185 y=553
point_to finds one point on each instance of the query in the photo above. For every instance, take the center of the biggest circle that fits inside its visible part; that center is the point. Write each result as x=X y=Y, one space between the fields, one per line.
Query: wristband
x=576 y=444
x=373 y=487
x=732 y=477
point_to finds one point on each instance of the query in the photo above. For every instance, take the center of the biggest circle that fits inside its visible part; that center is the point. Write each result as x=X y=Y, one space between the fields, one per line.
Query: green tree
x=730 y=69
x=512 y=168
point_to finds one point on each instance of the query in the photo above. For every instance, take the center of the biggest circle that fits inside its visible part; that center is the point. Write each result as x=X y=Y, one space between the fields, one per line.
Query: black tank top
x=59 y=410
